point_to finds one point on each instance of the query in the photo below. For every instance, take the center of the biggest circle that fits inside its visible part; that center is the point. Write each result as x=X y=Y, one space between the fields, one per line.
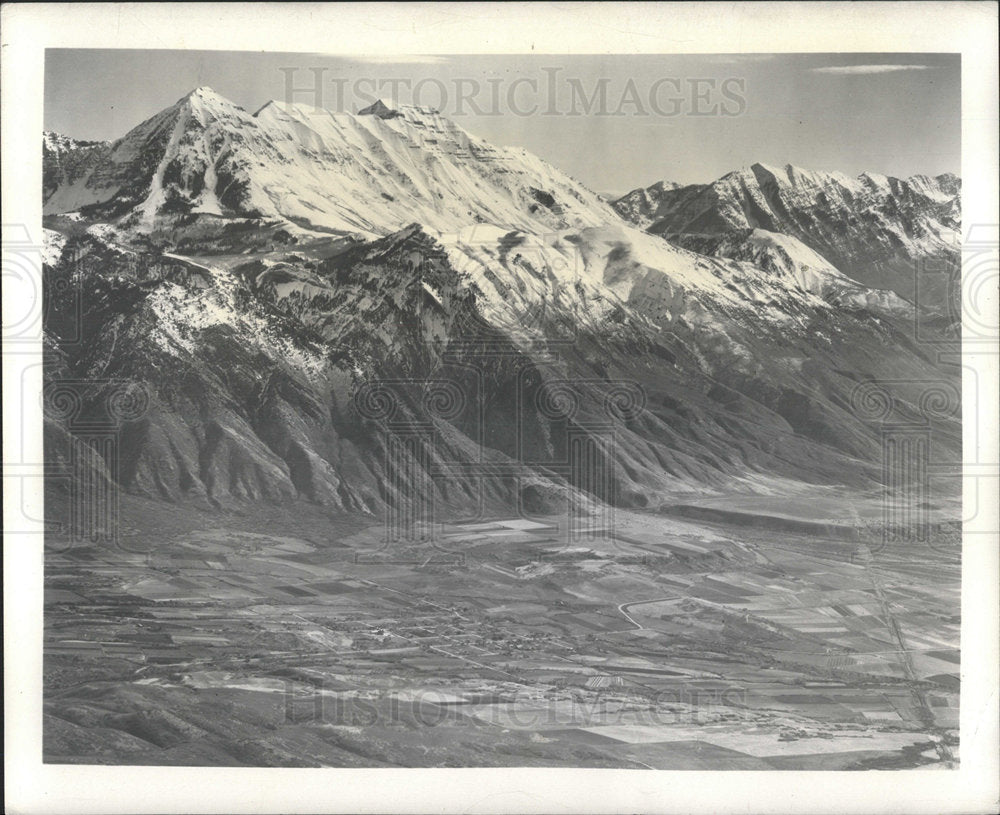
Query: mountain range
x=284 y=293
x=880 y=231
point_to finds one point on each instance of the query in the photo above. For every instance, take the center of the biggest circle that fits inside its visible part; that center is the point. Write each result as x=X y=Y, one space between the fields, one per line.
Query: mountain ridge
x=876 y=229
x=214 y=163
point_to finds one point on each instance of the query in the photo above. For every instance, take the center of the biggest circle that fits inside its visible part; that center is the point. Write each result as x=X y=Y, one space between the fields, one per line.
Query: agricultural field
x=664 y=641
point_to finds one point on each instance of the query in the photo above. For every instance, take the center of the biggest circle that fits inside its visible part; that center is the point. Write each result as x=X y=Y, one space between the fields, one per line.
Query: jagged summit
x=386 y=110
x=61 y=142
x=203 y=92
x=760 y=166
x=207 y=95
x=204 y=96
x=665 y=184
x=205 y=102
x=381 y=109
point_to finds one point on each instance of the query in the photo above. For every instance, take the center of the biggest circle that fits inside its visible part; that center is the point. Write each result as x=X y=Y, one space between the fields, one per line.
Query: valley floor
x=282 y=637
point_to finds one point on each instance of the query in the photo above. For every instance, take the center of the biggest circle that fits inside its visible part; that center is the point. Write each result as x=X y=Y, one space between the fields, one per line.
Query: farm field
x=664 y=642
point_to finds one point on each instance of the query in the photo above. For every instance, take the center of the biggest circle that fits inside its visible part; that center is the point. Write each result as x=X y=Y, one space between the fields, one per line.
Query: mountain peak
x=204 y=97
x=798 y=176
x=666 y=185
x=381 y=109
x=205 y=105
x=203 y=92
x=757 y=166
x=788 y=173
x=59 y=141
x=365 y=172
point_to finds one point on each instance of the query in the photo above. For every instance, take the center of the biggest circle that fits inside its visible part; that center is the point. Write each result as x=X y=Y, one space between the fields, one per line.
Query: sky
x=613 y=122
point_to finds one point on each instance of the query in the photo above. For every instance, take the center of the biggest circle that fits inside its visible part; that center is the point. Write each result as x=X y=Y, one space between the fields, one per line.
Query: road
x=906 y=660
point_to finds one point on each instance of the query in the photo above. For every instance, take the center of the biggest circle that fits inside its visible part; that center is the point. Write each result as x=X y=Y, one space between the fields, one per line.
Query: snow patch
x=53 y=244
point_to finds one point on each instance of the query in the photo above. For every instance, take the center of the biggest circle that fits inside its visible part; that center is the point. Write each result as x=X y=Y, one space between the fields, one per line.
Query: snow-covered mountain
x=873 y=228
x=641 y=205
x=368 y=173
x=255 y=273
x=66 y=160
x=205 y=165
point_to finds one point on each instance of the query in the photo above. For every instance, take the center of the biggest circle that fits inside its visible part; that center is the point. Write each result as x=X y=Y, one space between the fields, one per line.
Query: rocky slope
x=66 y=161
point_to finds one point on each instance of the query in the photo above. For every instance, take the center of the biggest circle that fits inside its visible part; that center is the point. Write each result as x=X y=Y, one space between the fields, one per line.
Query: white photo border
x=458 y=28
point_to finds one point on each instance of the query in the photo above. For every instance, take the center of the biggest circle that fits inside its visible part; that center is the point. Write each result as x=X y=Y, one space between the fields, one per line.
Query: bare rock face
x=642 y=205
x=164 y=460
x=67 y=162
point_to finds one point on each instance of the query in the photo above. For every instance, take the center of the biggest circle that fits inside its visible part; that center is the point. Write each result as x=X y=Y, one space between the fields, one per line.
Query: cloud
x=393 y=59
x=739 y=59
x=861 y=70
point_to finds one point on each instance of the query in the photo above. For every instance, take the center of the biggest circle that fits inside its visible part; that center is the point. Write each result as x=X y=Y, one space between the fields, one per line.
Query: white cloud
x=860 y=70
x=394 y=59
x=737 y=59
